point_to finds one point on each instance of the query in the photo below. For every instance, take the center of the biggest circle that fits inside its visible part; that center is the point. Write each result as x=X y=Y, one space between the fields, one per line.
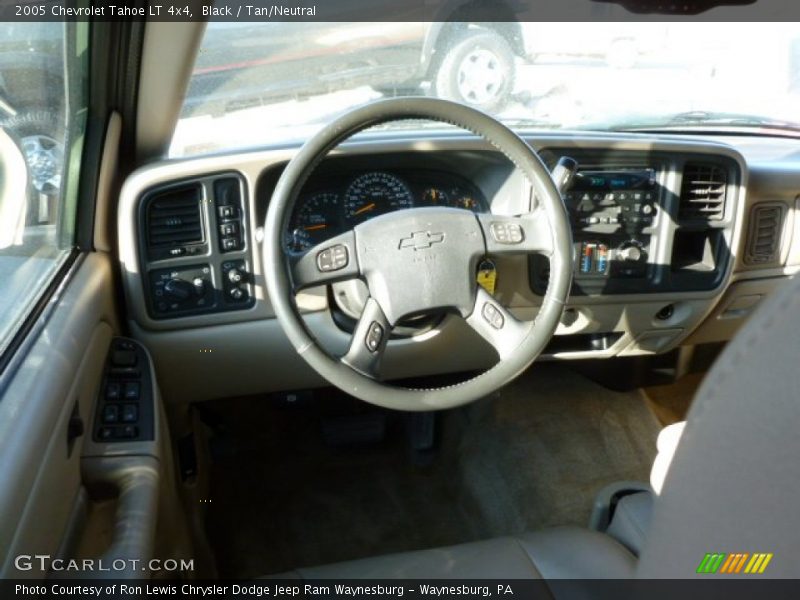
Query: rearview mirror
x=684 y=7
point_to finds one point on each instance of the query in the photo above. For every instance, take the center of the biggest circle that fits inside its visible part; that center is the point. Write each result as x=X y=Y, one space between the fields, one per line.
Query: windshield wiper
x=702 y=117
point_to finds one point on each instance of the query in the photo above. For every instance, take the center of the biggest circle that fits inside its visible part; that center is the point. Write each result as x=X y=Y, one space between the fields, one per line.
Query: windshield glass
x=257 y=84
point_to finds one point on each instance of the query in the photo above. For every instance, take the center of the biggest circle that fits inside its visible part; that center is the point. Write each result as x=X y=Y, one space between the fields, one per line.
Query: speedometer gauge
x=374 y=194
x=316 y=219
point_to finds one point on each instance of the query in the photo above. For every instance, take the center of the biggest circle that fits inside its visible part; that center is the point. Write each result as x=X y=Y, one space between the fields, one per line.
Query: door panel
x=62 y=366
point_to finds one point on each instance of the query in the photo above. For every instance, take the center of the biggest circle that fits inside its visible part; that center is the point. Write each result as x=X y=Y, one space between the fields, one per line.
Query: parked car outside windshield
x=272 y=83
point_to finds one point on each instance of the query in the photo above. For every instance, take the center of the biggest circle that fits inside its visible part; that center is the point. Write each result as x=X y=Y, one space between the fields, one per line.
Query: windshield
x=265 y=84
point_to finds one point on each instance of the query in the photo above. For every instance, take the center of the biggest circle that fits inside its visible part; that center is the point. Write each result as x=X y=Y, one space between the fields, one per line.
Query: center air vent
x=703 y=192
x=174 y=221
x=763 y=242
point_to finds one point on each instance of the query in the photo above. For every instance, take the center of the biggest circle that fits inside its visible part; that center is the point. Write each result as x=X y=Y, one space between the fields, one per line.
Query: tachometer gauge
x=435 y=197
x=374 y=194
x=315 y=220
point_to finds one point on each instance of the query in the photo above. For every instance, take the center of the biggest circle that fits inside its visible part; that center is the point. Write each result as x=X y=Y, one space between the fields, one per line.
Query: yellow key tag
x=487 y=275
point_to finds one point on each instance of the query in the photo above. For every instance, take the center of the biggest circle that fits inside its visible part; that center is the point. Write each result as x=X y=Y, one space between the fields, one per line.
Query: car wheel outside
x=478 y=70
x=37 y=132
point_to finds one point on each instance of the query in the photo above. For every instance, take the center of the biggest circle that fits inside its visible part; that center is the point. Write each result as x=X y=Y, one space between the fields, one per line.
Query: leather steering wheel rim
x=281 y=273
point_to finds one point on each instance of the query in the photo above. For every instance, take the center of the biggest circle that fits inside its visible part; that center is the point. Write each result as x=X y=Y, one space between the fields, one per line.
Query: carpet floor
x=531 y=456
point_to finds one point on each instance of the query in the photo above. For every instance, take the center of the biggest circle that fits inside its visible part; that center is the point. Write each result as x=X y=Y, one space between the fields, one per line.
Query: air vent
x=174 y=219
x=703 y=192
x=763 y=242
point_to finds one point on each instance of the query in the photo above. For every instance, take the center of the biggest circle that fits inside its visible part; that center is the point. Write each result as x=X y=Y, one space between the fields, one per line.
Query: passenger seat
x=623 y=510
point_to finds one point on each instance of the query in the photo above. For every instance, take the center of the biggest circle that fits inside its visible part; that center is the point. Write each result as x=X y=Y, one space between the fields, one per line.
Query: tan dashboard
x=676 y=241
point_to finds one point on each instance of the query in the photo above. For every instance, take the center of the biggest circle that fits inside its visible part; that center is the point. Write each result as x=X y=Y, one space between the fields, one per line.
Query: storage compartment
x=582 y=342
x=698 y=258
x=695 y=251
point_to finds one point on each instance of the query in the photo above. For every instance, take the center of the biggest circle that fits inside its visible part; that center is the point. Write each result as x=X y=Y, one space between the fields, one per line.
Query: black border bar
x=259 y=11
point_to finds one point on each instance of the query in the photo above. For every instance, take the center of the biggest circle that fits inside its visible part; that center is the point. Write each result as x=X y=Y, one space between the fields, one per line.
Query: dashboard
x=332 y=204
x=676 y=240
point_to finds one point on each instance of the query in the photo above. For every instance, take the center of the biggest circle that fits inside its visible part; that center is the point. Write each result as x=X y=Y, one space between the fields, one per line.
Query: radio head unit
x=613 y=216
x=614 y=180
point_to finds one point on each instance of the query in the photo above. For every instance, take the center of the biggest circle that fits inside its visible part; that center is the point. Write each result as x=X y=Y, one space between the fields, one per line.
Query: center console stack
x=645 y=223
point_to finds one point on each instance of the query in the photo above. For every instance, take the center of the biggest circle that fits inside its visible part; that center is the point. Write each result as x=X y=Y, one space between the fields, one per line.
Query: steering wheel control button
x=374 y=336
x=333 y=258
x=493 y=316
x=506 y=233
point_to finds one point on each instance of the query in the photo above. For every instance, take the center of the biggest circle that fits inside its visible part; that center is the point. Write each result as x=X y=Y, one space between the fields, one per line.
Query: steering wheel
x=438 y=249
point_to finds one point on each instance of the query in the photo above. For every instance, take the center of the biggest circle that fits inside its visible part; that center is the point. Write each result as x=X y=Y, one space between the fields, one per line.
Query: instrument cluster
x=324 y=211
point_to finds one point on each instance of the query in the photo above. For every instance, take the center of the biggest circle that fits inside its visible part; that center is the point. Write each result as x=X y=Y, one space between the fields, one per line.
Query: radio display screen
x=621 y=180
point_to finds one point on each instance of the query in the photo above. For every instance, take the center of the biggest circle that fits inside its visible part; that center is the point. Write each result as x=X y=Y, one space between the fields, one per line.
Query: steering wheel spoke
x=497 y=325
x=369 y=340
x=524 y=234
x=331 y=261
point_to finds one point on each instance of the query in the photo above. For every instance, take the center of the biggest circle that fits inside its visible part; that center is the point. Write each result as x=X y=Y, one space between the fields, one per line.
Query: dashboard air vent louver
x=703 y=192
x=763 y=243
x=174 y=218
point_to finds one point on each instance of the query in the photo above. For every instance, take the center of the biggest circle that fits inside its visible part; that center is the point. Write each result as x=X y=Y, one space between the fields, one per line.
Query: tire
x=478 y=70
x=40 y=134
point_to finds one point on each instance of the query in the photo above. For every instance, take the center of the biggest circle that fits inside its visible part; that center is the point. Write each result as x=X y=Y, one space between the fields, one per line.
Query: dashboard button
x=226 y=212
x=493 y=316
x=229 y=228
x=230 y=243
x=333 y=258
x=235 y=276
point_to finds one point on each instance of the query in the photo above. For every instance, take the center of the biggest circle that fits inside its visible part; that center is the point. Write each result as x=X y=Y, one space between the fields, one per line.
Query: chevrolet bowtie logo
x=419 y=240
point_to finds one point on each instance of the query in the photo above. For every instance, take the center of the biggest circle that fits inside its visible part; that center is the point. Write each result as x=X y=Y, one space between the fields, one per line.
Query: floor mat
x=671 y=402
x=531 y=456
